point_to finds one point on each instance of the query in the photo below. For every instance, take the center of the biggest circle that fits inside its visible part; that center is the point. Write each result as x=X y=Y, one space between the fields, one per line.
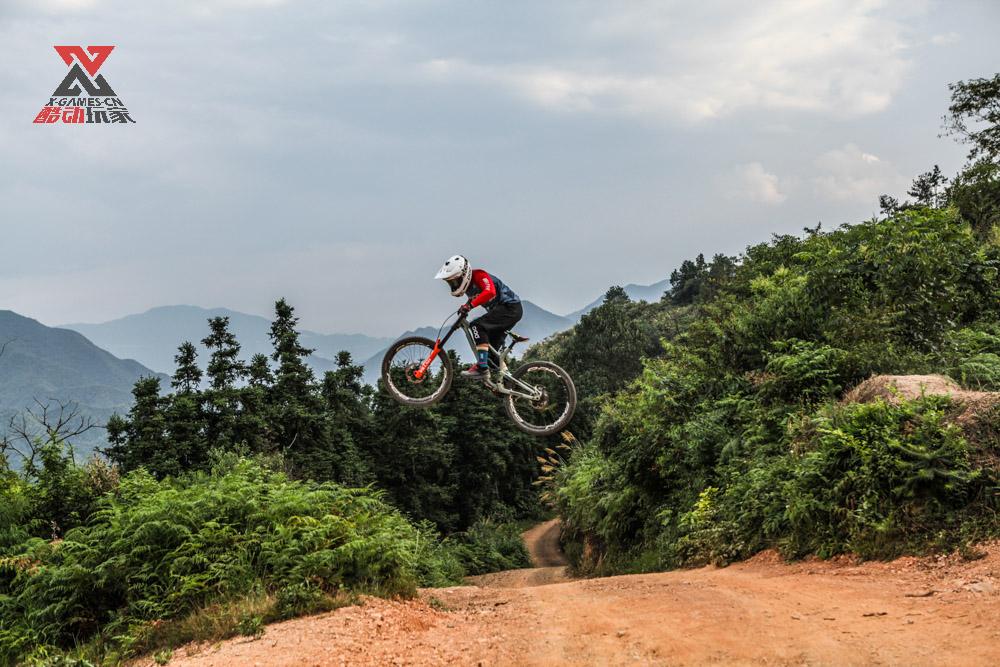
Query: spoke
x=405 y=362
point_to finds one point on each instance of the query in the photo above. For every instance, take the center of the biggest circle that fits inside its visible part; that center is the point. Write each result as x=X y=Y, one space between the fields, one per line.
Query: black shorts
x=491 y=327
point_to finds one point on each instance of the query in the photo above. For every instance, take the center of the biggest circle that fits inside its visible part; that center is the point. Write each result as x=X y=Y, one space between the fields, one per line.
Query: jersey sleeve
x=485 y=283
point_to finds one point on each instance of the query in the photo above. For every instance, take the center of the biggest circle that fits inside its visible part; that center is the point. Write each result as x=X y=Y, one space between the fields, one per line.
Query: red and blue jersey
x=487 y=290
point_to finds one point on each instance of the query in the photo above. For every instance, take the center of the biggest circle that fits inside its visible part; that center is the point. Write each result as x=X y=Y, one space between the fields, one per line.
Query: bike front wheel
x=401 y=376
x=552 y=409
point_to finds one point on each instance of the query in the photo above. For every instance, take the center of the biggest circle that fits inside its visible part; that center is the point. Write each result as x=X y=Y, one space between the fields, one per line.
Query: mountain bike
x=539 y=397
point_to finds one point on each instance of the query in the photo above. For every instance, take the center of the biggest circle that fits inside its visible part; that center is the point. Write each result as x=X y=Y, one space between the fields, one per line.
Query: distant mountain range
x=650 y=293
x=152 y=337
x=40 y=362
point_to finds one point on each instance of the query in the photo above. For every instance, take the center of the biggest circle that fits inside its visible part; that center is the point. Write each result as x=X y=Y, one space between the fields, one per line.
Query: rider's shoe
x=475 y=372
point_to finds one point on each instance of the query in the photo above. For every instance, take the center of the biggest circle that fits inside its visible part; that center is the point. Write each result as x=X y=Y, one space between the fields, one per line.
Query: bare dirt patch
x=911 y=611
x=893 y=388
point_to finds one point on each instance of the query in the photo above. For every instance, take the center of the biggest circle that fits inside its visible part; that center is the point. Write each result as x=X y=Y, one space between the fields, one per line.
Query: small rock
x=920 y=594
x=980 y=587
x=620 y=633
x=875 y=613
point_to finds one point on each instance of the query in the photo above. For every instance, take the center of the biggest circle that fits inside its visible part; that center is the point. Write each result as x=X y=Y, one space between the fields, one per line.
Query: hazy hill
x=152 y=337
x=635 y=292
x=48 y=363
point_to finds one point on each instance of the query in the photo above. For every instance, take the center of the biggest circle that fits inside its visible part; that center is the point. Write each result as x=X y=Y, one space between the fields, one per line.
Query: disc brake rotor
x=541 y=403
x=410 y=377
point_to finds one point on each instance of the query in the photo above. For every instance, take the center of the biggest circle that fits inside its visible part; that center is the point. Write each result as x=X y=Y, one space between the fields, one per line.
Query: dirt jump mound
x=895 y=388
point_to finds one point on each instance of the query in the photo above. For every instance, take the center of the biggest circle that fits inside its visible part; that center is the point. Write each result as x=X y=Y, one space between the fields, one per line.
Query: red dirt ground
x=912 y=611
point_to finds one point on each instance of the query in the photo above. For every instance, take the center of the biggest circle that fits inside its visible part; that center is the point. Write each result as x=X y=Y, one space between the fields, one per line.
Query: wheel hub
x=411 y=377
x=542 y=401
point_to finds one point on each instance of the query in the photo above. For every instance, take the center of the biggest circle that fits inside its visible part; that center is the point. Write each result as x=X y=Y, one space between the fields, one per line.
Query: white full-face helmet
x=457 y=273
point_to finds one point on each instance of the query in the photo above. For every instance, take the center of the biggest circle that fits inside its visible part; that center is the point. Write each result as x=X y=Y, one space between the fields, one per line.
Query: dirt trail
x=543 y=544
x=549 y=563
x=934 y=611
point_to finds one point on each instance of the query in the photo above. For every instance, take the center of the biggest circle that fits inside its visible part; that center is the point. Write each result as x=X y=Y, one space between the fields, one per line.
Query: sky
x=337 y=153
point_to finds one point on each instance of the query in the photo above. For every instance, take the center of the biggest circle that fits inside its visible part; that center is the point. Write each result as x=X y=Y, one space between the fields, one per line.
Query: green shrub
x=877 y=479
x=732 y=439
x=160 y=550
x=489 y=546
x=801 y=371
x=974 y=357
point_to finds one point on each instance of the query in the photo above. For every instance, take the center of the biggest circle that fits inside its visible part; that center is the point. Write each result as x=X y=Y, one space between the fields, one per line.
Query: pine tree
x=222 y=400
x=346 y=399
x=414 y=461
x=224 y=367
x=607 y=349
x=494 y=464
x=888 y=205
x=259 y=371
x=187 y=377
x=685 y=283
x=140 y=439
x=293 y=376
x=185 y=430
x=301 y=427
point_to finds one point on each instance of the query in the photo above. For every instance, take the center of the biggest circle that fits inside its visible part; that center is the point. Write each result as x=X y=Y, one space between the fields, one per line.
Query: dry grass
x=245 y=616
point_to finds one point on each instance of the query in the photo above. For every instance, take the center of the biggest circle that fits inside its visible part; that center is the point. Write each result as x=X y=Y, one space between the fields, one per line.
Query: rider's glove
x=465 y=308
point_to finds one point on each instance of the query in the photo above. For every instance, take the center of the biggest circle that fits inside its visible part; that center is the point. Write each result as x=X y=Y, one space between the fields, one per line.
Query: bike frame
x=529 y=392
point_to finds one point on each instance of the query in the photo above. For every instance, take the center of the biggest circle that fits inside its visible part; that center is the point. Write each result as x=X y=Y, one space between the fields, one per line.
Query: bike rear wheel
x=399 y=365
x=551 y=412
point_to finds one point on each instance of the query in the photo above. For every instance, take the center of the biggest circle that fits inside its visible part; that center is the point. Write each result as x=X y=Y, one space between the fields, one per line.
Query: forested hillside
x=195 y=506
x=48 y=369
x=452 y=465
x=715 y=424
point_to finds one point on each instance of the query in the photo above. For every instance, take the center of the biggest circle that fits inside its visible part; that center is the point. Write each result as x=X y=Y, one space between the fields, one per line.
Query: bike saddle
x=517 y=338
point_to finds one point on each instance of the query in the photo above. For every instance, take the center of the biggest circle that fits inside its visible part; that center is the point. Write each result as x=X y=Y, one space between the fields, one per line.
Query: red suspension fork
x=420 y=372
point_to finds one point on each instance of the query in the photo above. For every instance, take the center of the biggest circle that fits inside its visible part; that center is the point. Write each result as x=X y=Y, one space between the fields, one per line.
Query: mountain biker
x=503 y=308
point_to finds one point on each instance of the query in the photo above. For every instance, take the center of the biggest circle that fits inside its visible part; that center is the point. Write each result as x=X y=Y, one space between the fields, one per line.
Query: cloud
x=849 y=174
x=290 y=135
x=945 y=39
x=835 y=58
x=58 y=6
x=752 y=182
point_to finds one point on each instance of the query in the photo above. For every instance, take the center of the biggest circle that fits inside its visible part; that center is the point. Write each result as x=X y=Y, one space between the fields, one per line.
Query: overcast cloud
x=336 y=153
